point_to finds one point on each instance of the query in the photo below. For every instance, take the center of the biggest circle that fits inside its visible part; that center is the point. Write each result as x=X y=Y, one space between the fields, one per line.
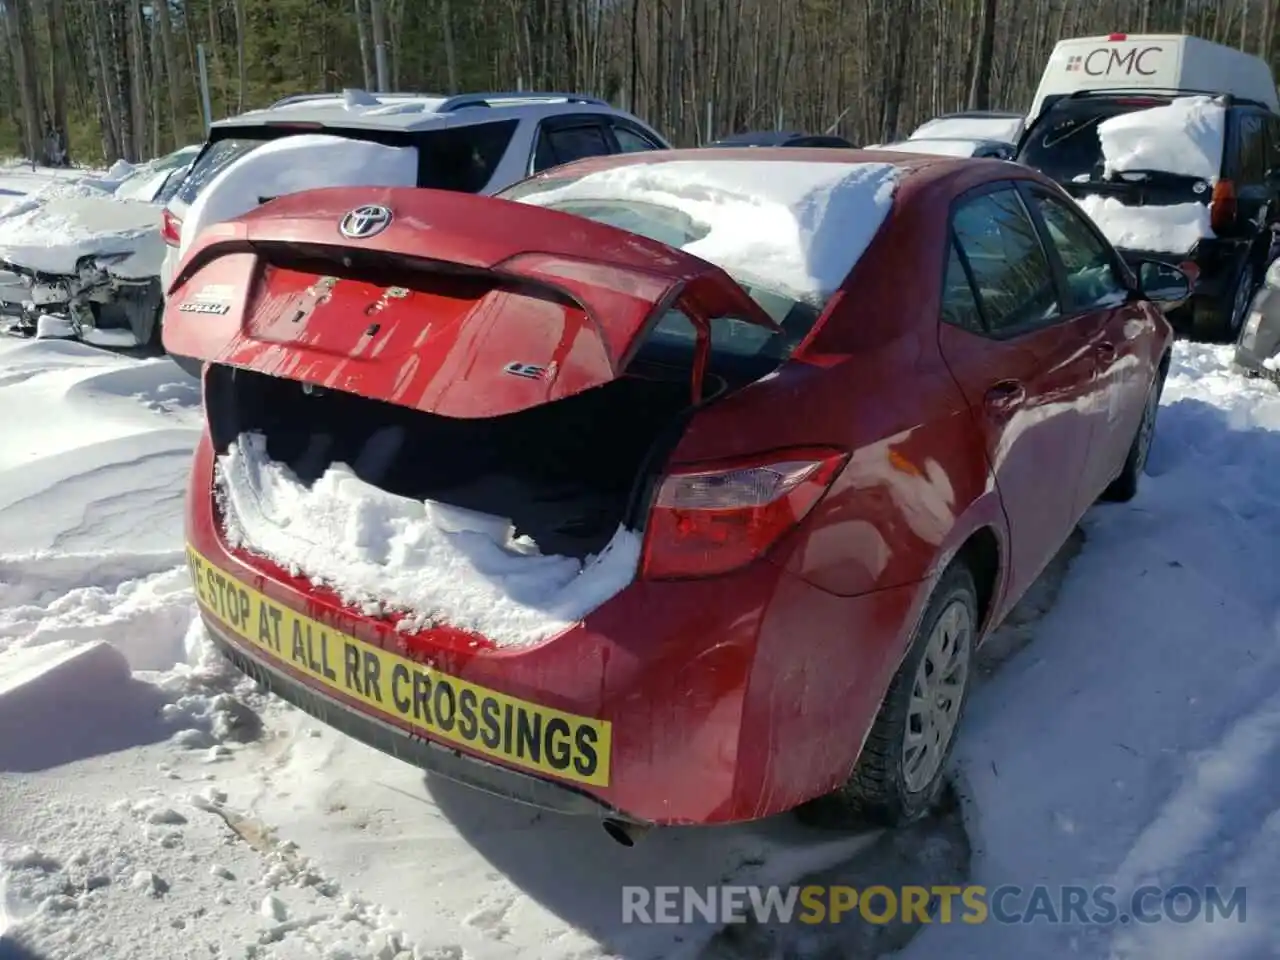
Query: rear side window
x=1252 y=142
x=217 y=157
x=1014 y=283
x=463 y=158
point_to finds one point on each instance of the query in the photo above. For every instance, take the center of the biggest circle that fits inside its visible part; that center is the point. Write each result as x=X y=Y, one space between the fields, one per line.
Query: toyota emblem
x=365 y=222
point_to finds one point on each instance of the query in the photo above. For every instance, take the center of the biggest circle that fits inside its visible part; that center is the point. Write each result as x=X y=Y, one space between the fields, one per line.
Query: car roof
x=358 y=109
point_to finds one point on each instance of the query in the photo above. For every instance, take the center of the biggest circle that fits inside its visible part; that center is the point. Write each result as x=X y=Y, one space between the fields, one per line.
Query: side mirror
x=1163 y=282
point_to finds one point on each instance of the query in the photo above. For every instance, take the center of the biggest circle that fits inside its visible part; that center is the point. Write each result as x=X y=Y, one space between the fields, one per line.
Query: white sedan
x=87 y=254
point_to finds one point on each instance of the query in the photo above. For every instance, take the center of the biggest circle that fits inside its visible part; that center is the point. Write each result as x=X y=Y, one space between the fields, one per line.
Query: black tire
x=1222 y=322
x=1125 y=487
x=880 y=790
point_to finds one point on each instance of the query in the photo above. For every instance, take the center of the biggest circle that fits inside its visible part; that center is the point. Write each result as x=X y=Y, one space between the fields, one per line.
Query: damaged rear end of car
x=454 y=409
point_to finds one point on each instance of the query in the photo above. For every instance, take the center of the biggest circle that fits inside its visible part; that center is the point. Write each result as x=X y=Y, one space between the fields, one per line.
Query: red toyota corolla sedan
x=674 y=488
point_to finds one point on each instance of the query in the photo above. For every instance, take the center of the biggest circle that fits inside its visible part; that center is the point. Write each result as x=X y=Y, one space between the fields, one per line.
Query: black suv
x=1244 y=211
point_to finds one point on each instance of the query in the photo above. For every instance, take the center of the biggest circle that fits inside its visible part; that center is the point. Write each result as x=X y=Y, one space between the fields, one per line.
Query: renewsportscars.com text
x=971 y=904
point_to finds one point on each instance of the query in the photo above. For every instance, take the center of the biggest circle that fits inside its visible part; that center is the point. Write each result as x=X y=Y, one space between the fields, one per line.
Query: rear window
x=731 y=340
x=1066 y=145
x=217 y=157
x=458 y=158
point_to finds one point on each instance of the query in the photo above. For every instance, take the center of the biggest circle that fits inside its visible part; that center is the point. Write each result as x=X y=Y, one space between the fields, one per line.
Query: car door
x=1112 y=324
x=569 y=137
x=1024 y=367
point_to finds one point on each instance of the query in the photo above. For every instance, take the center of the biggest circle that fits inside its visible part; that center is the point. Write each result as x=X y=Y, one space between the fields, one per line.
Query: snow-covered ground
x=154 y=805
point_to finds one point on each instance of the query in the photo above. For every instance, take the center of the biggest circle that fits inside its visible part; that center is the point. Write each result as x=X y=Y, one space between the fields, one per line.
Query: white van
x=1153 y=61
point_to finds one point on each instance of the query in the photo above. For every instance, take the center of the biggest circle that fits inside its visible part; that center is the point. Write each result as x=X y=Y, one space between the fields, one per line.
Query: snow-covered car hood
x=52 y=236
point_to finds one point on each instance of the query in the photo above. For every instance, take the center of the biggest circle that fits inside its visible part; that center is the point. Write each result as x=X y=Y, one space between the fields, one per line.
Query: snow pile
x=293 y=164
x=1175 y=228
x=1137 y=739
x=795 y=228
x=436 y=564
x=1185 y=137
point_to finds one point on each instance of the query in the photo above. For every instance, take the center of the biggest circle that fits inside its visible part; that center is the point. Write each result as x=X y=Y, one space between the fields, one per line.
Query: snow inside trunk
x=510 y=527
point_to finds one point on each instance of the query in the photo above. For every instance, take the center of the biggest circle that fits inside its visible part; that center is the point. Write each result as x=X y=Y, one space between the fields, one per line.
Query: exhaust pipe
x=625 y=833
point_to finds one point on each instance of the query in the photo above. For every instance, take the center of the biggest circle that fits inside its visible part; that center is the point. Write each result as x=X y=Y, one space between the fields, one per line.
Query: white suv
x=475 y=143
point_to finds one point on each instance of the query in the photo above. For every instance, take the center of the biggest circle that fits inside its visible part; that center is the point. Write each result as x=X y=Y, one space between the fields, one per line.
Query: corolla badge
x=365 y=222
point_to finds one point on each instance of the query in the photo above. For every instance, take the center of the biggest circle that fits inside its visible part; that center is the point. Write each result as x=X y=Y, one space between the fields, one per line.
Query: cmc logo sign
x=1112 y=62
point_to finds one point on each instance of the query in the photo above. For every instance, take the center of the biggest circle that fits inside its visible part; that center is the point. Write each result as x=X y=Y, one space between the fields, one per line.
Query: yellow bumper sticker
x=444 y=708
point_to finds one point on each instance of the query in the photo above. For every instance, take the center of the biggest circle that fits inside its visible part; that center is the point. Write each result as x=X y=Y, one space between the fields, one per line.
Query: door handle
x=1005 y=395
x=1106 y=351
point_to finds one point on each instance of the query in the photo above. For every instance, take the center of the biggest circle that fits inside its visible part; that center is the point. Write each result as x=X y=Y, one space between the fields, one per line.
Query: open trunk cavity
x=566 y=473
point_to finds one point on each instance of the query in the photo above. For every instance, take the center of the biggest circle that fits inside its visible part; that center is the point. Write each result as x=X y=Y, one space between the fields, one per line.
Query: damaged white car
x=85 y=261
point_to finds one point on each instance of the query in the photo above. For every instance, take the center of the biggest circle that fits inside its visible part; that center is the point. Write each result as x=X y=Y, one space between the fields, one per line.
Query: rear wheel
x=1224 y=320
x=1125 y=487
x=899 y=774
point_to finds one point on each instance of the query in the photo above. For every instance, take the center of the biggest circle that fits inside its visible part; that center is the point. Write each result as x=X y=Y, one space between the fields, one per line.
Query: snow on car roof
x=796 y=227
x=941 y=146
x=1185 y=136
x=1005 y=129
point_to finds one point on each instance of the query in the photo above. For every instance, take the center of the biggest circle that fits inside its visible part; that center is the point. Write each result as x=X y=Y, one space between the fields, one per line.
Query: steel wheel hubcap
x=936 y=694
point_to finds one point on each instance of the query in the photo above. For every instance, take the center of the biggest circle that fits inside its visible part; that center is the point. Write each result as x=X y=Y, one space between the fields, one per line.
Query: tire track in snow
x=1233 y=783
x=1232 y=938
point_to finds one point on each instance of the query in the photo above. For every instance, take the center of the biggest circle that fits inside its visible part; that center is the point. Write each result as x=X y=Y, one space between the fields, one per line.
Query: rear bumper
x=389 y=739
x=724 y=700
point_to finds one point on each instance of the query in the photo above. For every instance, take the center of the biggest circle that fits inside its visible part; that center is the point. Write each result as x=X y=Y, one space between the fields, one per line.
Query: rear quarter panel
x=873 y=382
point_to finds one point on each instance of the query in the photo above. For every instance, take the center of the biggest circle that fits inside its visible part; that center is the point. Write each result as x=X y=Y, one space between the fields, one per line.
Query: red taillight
x=713 y=519
x=1222 y=208
x=171 y=230
x=1117 y=36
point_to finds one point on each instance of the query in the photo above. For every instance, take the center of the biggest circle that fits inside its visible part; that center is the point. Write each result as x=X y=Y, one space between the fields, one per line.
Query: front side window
x=567 y=144
x=1014 y=283
x=631 y=142
x=1091 y=273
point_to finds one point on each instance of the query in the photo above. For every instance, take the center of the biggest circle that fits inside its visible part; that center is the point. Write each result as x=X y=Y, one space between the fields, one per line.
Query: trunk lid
x=461 y=305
